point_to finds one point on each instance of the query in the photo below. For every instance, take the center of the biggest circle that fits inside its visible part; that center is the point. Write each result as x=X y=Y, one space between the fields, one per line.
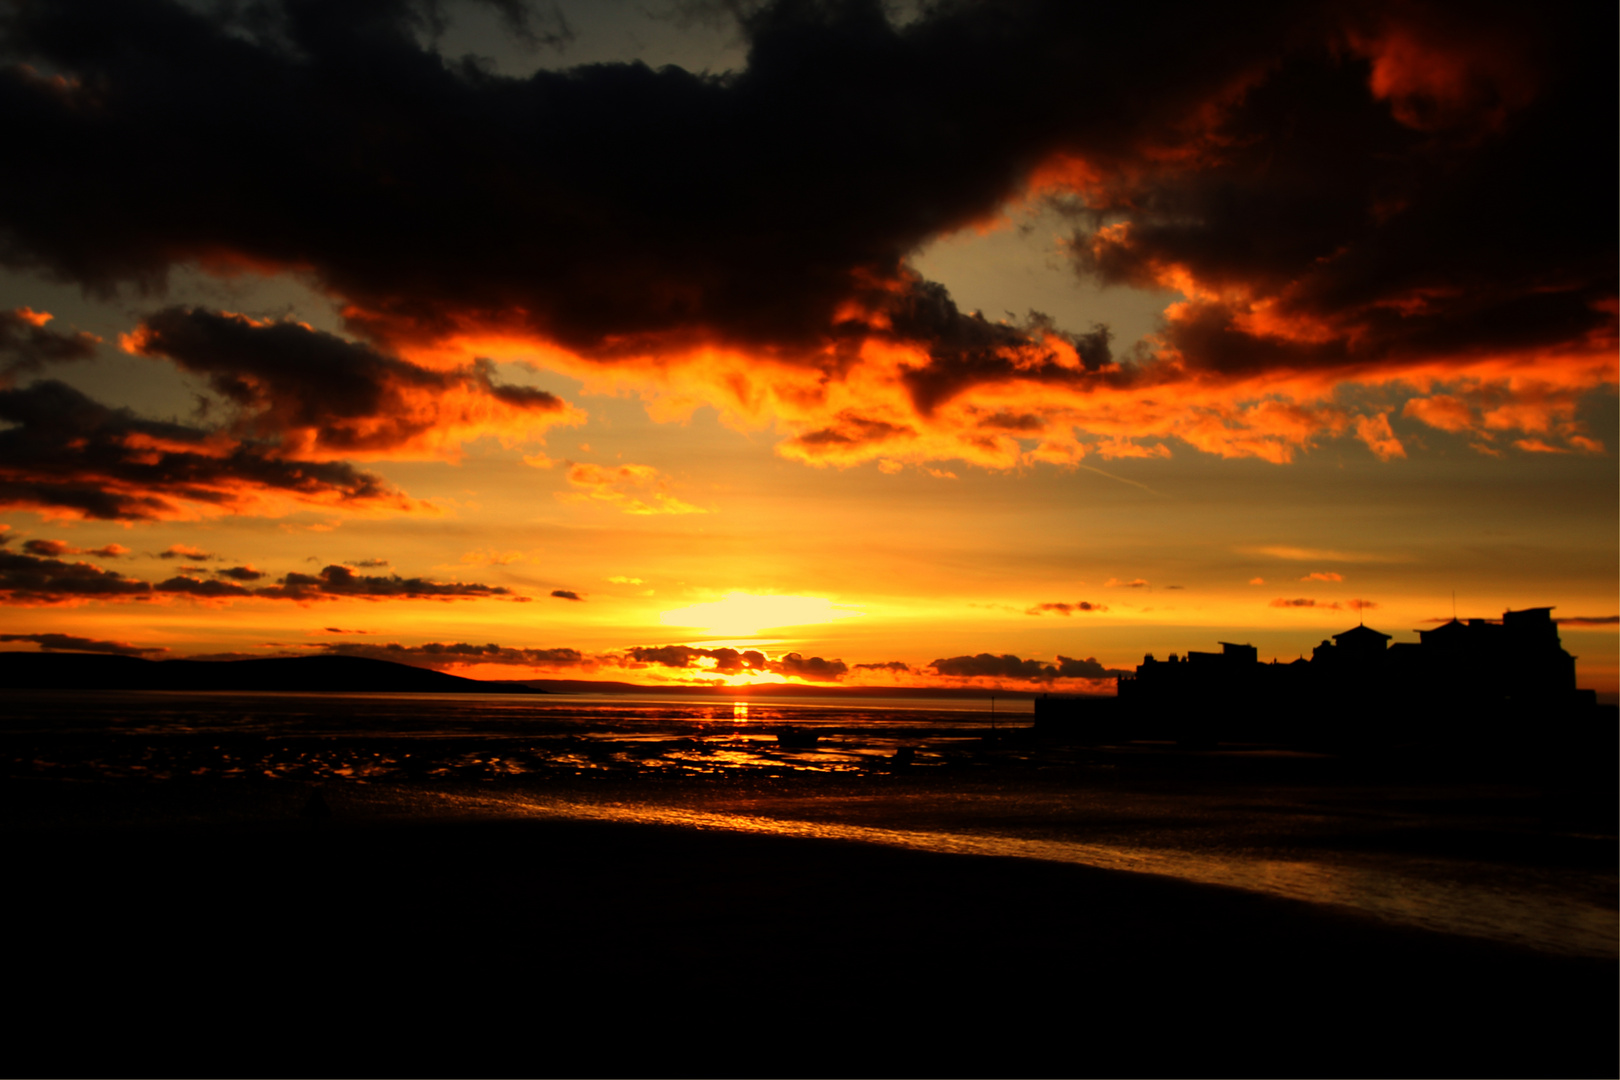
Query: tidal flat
x=610 y=887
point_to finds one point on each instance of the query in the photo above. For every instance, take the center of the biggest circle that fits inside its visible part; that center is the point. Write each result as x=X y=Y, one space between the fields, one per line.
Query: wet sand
x=150 y=938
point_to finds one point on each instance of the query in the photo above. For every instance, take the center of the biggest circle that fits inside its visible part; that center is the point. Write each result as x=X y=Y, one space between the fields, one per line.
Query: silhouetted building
x=1462 y=680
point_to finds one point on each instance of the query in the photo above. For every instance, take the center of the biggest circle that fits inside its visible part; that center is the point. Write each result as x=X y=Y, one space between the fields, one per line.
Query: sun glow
x=740 y=614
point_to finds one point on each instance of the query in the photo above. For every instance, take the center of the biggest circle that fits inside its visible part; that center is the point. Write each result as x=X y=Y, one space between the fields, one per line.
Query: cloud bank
x=1310 y=178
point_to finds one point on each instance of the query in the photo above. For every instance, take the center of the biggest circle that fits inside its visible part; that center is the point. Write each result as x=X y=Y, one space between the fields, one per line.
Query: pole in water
x=992 y=712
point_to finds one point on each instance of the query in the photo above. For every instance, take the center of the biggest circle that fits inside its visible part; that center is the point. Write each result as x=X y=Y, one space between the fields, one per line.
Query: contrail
x=1121 y=479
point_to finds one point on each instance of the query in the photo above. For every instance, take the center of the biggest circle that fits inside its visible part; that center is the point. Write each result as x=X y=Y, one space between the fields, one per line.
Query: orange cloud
x=1442 y=411
x=634 y=489
x=1375 y=432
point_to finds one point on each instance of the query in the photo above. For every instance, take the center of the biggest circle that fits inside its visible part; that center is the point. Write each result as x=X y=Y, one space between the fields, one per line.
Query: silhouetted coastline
x=302 y=674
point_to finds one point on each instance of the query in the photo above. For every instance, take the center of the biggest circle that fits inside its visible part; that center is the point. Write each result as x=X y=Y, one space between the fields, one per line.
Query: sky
x=986 y=345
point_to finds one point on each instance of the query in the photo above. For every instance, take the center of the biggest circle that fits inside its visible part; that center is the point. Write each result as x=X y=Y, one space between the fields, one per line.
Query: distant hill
x=304 y=674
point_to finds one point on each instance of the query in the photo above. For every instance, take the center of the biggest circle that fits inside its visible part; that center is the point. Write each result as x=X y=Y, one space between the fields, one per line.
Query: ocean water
x=468 y=737
x=1506 y=860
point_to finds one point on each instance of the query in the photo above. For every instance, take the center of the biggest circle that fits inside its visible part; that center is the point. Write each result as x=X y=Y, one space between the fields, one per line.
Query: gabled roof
x=1453 y=630
x=1361 y=635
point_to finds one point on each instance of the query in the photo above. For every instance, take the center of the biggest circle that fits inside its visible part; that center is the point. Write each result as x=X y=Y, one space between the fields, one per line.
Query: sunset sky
x=859 y=344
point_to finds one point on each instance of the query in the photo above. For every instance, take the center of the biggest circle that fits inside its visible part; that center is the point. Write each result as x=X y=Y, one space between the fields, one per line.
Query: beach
x=767 y=921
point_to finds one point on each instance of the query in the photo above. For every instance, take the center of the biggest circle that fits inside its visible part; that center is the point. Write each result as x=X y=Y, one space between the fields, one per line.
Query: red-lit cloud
x=1359 y=207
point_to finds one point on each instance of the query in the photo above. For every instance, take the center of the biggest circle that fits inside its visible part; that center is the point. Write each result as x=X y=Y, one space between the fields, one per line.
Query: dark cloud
x=1027 y=423
x=25 y=579
x=321 y=394
x=26 y=346
x=202 y=590
x=337 y=581
x=566 y=594
x=1089 y=668
x=1304 y=602
x=56 y=548
x=1007 y=666
x=438 y=655
x=367 y=564
x=67 y=642
x=726 y=661
x=850 y=430
x=1335 y=214
x=241 y=573
x=448 y=192
x=63 y=451
x=186 y=551
x=1065 y=609
x=1316 y=174
x=895 y=666
x=814 y=669
x=966 y=350
x=1587 y=620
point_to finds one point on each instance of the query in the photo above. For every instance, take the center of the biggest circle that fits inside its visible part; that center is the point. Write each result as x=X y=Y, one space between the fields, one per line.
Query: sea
x=1508 y=858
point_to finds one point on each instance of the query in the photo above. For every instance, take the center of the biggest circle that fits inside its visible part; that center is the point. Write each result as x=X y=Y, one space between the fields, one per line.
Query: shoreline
x=427 y=939
x=657 y=950
x=1548 y=895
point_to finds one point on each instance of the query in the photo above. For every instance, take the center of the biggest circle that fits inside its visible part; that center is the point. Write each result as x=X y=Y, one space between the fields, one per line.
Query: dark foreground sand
x=407 y=947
